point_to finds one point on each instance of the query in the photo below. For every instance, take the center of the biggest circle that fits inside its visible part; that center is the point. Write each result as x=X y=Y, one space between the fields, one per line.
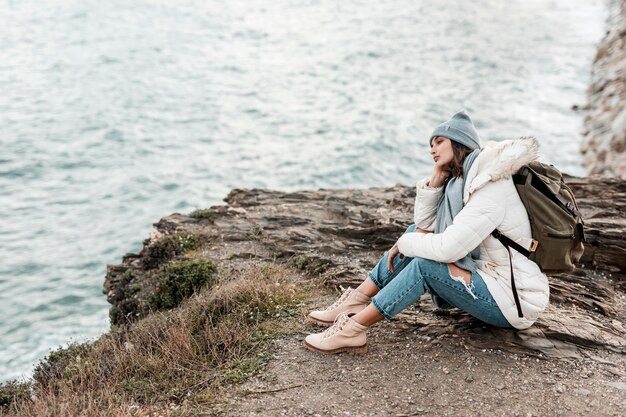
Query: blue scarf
x=451 y=204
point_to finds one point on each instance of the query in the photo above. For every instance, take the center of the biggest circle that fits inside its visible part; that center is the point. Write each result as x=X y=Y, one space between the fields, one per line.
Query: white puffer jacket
x=491 y=202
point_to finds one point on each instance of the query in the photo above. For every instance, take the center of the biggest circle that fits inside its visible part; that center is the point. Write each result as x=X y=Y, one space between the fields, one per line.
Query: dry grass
x=170 y=363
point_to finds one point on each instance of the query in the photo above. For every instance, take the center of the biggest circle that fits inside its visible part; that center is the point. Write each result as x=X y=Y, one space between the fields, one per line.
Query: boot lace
x=344 y=297
x=339 y=323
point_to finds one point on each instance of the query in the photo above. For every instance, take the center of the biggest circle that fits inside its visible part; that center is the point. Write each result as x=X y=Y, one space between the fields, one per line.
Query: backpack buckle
x=533 y=246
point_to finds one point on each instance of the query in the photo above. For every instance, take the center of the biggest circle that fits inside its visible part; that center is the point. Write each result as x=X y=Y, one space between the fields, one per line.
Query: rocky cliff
x=604 y=145
x=338 y=235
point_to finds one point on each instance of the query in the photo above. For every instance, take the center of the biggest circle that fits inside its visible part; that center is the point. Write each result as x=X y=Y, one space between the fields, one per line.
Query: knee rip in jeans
x=469 y=287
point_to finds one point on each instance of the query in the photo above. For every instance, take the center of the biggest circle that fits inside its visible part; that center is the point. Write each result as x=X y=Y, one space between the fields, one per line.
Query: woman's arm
x=426 y=202
x=481 y=215
x=427 y=196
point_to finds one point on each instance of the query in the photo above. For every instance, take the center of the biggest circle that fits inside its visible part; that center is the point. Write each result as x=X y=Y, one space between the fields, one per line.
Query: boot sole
x=319 y=322
x=357 y=350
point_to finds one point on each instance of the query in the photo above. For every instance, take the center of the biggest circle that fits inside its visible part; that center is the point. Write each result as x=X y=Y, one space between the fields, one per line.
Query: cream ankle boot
x=351 y=302
x=345 y=335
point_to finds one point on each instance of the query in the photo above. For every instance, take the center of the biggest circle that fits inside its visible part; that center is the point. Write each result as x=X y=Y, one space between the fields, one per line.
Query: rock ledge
x=339 y=235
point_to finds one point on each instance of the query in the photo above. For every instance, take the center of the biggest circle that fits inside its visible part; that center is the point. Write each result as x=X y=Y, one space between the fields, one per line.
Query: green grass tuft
x=205 y=214
x=300 y=262
x=169 y=247
x=243 y=369
x=311 y=265
x=62 y=363
x=11 y=392
x=178 y=280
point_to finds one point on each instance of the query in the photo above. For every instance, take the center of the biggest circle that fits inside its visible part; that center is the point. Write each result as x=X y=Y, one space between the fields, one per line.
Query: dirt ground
x=406 y=373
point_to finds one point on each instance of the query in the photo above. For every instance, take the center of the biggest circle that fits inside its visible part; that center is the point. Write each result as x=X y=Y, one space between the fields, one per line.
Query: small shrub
x=13 y=391
x=114 y=316
x=62 y=363
x=126 y=277
x=128 y=284
x=179 y=280
x=300 y=262
x=276 y=254
x=126 y=300
x=243 y=369
x=168 y=247
x=312 y=265
x=205 y=214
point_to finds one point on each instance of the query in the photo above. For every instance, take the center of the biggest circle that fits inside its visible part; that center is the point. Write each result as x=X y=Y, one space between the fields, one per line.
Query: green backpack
x=556 y=222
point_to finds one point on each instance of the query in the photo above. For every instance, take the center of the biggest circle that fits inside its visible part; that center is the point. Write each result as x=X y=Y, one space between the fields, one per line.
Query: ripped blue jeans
x=414 y=276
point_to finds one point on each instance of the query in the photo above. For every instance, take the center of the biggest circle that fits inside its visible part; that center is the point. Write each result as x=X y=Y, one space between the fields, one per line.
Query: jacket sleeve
x=426 y=203
x=474 y=223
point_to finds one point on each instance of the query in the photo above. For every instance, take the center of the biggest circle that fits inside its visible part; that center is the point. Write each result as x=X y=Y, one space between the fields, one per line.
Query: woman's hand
x=439 y=177
x=394 y=251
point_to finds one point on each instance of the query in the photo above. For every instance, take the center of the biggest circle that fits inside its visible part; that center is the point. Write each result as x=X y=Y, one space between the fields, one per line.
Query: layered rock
x=604 y=144
x=339 y=235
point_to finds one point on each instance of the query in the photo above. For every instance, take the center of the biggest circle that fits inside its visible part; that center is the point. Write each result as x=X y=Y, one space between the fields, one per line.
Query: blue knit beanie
x=459 y=129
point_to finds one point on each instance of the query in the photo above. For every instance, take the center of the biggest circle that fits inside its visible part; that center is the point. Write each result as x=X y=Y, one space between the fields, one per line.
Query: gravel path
x=407 y=373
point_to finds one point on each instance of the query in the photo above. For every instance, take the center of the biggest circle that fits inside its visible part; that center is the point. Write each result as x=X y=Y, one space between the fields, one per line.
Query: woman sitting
x=449 y=251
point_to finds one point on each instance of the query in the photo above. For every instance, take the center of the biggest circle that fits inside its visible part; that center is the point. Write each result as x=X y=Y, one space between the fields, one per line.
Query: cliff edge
x=339 y=235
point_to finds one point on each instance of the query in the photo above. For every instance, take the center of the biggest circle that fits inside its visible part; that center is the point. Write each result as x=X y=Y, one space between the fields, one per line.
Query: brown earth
x=407 y=373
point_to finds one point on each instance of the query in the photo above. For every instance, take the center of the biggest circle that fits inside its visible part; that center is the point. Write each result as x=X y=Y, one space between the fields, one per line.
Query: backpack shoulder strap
x=508 y=242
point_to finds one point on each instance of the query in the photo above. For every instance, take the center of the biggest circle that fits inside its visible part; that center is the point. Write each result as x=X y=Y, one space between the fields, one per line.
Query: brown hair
x=460 y=152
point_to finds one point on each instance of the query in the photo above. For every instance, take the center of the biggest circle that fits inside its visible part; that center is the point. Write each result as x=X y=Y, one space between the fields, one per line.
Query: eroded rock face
x=604 y=145
x=339 y=235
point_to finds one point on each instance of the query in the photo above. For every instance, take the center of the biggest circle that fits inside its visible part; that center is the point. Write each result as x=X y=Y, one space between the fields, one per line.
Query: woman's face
x=441 y=151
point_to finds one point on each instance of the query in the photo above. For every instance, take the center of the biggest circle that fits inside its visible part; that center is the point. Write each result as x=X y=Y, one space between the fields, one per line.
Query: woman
x=449 y=251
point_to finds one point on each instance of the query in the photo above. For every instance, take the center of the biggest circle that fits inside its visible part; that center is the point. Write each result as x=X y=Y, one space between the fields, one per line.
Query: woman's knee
x=430 y=270
x=422 y=263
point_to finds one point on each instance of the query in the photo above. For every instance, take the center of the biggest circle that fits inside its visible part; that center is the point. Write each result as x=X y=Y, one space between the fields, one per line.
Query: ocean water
x=114 y=114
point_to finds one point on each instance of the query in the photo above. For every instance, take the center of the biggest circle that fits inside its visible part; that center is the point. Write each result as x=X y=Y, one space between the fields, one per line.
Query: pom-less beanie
x=459 y=129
